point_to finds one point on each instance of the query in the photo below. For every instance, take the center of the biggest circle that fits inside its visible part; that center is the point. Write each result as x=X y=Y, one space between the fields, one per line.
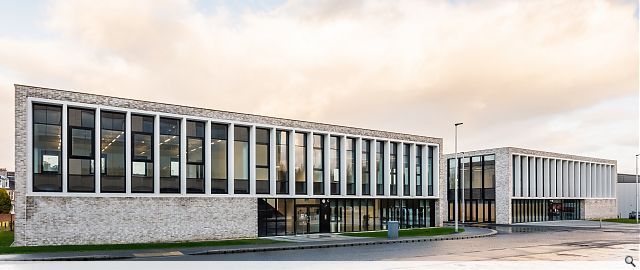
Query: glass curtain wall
x=169 y=155
x=430 y=170
x=318 y=164
x=534 y=210
x=351 y=166
x=405 y=175
x=301 y=216
x=241 y=160
x=379 y=168
x=112 y=152
x=478 y=173
x=81 y=159
x=393 y=170
x=301 y=163
x=262 y=161
x=219 y=163
x=282 y=162
x=334 y=156
x=195 y=157
x=47 y=144
x=366 y=167
x=142 y=154
x=418 y=170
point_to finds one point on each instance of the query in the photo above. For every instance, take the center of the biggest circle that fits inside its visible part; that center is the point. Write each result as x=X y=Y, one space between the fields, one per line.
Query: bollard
x=600 y=223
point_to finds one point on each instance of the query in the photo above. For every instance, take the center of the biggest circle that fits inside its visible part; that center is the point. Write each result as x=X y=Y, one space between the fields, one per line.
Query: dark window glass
x=142 y=154
x=318 y=164
x=351 y=166
x=81 y=123
x=241 y=160
x=301 y=163
x=476 y=177
x=195 y=157
x=169 y=155
x=334 y=160
x=47 y=144
x=419 y=170
x=112 y=152
x=379 y=168
x=430 y=170
x=282 y=162
x=405 y=170
x=262 y=161
x=393 y=169
x=219 y=134
x=489 y=178
x=366 y=170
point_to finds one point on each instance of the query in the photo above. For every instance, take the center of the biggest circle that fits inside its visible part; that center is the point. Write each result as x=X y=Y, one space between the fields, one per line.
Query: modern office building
x=627 y=191
x=513 y=185
x=98 y=169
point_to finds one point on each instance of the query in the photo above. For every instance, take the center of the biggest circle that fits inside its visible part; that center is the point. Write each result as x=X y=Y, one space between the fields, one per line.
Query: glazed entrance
x=304 y=216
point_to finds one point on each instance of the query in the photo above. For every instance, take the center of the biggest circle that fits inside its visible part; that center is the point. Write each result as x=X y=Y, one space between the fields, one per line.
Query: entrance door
x=307 y=219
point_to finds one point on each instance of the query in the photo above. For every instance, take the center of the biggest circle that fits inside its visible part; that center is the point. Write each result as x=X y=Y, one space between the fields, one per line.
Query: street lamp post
x=455 y=202
x=637 y=187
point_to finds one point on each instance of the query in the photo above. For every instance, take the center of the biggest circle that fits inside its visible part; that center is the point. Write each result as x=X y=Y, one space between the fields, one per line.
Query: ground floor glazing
x=533 y=210
x=303 y=216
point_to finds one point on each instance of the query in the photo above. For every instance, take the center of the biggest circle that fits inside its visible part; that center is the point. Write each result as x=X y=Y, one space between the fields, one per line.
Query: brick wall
x=110 y=220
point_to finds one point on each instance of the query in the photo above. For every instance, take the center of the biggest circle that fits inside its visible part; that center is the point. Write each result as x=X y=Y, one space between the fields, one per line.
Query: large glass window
x=318 y=164
x=47 y=144
x=81 y=150
x=334 y=156
x=476 y=177
x=366 y=168
x=477 y=174
x=351 y=166
x=112 y=152
x=301 y=163
x=262 y=161
x=241 y=160
x=430 y=171
x=393 y=170
x=169 y=155
x=142 y=154
x=282 y=162
x=405 y=171
x=379 y=168
x=195 y=157
x=219 y=134
x=489 y=177
x=419 y=170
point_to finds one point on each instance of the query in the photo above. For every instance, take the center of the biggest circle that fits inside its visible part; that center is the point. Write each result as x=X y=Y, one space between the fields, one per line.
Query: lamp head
x=457 y=124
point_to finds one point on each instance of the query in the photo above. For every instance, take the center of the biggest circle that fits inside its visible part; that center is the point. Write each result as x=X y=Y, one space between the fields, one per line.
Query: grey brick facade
x=592 y=208
x=55 y=220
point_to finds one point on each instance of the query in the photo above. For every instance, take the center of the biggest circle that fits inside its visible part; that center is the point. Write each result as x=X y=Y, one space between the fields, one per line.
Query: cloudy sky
x=559 y=76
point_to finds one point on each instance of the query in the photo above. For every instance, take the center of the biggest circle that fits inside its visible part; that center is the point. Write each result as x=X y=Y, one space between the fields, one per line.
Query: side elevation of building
x=98 y=169
x=514 y=185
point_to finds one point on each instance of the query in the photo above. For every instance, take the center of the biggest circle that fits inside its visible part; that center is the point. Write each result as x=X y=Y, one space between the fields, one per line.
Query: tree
x=5 y=202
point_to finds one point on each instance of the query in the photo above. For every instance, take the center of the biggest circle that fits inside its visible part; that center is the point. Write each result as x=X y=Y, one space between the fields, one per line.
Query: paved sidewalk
x=341 y=241
x=581 y=224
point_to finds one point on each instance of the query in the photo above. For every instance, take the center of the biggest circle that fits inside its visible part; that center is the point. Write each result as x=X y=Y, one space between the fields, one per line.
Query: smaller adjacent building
x=514 y=185
x=626 y=195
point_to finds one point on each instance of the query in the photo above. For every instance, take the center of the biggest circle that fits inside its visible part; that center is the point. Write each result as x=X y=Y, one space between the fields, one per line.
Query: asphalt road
x=510 y=244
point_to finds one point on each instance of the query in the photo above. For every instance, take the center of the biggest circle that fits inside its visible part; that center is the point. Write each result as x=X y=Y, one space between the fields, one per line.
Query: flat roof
x=524 y=151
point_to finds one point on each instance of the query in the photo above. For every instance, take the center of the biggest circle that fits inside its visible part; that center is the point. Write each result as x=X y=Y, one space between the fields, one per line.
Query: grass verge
x=6 y=238
x=620 y=220
x=408 y=232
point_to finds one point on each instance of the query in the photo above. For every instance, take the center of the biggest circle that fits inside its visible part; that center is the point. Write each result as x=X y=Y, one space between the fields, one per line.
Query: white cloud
x=509 y=70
